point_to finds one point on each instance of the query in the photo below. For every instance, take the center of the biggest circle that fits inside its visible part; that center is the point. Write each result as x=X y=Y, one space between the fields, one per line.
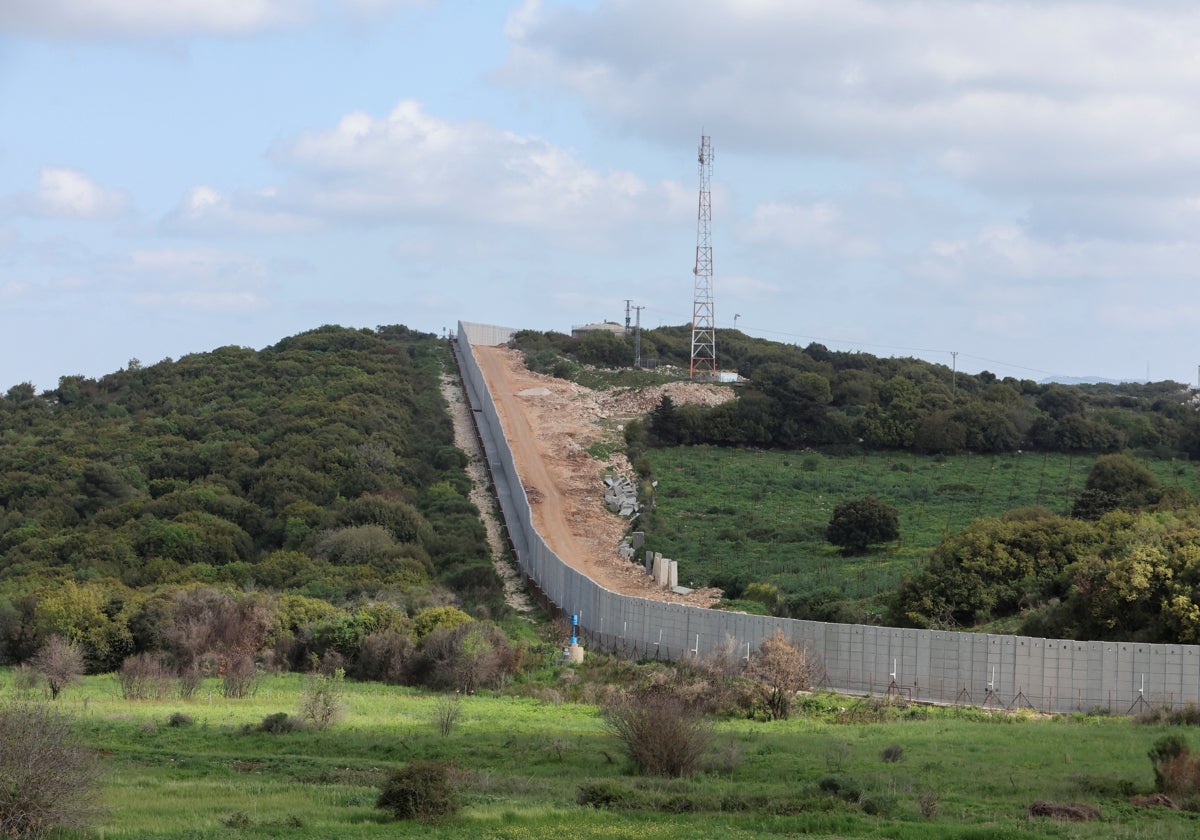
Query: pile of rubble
x=643 y=400
x=620 y=495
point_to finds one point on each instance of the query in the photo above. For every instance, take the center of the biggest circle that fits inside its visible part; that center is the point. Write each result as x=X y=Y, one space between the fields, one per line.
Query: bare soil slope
x=550 y=424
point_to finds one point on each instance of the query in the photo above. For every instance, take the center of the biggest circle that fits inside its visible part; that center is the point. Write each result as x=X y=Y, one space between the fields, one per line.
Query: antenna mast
x=704 y=339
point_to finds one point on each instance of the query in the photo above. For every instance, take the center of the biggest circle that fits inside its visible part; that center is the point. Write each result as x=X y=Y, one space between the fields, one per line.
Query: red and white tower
x=704 y=336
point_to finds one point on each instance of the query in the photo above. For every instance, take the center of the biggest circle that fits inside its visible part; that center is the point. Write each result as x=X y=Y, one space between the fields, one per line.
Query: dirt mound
x=552 y=427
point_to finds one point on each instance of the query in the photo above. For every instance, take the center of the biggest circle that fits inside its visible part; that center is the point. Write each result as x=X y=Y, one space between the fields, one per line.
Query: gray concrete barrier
x=1050 y=675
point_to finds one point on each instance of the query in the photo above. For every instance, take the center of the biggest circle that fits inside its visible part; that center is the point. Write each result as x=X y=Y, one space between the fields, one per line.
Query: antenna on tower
x=704 y=337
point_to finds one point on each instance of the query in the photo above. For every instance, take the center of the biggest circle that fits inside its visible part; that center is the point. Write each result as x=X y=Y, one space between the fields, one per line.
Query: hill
x=321 y=470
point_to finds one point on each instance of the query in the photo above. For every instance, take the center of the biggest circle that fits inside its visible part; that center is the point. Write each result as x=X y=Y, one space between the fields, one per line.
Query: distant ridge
x=1088 y=380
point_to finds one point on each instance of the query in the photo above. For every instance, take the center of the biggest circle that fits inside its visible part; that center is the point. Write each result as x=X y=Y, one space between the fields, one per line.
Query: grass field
x=522 y=761
x=761 y=515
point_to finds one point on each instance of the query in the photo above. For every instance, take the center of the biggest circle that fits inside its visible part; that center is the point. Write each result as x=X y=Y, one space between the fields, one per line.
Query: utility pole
x=637 y=338
x=704 y=340
x=627 y=302
x=954 y=371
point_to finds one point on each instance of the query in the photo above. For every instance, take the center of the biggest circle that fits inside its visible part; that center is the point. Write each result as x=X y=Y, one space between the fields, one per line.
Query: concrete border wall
x=1052 y=675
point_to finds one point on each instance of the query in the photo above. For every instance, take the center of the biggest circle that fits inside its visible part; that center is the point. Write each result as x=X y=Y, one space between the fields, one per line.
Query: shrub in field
x=47 y=777
x=466 y=658
x=322 y=703
x=180 y=719
x=1176 y=770
x=449 y=708
x=841 y=786
x=241 y=678
x=662 y=733
x=1166 y=749
x=607 y=795
x=892 y=753
x=59 y=662
x=781 y=669
x=279 y=723
x=422 y=790
x=144 y=677
x=385 y=657
x=858 y=523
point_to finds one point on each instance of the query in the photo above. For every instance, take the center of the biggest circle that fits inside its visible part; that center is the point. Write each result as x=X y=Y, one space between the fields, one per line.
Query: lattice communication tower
x=704 y=336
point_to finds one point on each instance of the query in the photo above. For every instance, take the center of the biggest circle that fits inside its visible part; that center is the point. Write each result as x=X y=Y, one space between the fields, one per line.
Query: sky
x=1009 y=186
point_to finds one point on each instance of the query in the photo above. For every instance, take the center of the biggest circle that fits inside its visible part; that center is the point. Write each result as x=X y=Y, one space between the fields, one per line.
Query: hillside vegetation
x=290 y=503
x=1052 y=510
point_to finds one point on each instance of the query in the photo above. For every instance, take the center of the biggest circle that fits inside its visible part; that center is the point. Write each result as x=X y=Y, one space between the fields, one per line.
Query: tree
x=1125 y=479
x=60 y=663
x=49 y=776
x=780 y=669
x=858 y=523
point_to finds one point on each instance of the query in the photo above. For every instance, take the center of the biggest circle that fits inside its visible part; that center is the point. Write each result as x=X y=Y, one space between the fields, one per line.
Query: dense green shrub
x=422 y=790
x=858 y=523
x=278 y=723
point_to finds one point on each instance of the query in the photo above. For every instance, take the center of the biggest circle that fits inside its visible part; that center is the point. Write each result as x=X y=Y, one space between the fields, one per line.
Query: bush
x=663 y=734
x=279 y=723
x=322 y=704
x=877 y=804
x=781 y=669
x=144 y=677
x=422 y=790
x=448 y=710
x=892 y=753
x=49 y=777
x=607 y=795
x=384 y=657
x=180 y=719
x=841 y=786
x=60 y=663
x=241 y=678
x=1166 y=751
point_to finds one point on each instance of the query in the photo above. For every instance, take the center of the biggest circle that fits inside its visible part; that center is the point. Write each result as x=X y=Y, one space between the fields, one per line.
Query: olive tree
x=861 y=522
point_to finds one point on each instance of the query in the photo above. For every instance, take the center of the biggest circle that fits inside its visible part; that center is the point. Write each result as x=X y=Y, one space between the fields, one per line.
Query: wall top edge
x=486 y=334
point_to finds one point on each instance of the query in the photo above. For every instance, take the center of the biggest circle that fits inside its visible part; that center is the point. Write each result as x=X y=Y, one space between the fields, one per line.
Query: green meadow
x=522 y=762
x=760 y=515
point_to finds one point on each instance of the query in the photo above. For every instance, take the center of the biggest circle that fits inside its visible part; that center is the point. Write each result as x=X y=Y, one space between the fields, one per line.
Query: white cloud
x=412 y=167
x=12 y=289
x=206 y=210
x=1039 y=97
x=65 y=193
x=819 y=224
x=200 y=278
x=415 y=166
x=85 y=19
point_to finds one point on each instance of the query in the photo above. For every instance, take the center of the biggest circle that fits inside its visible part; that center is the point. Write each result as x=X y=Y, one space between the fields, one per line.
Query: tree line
x=285 y=505
x=1120 y=563
x=795 y=397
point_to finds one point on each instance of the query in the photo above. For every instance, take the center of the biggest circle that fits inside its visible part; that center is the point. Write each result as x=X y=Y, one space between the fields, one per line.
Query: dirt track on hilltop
x=549 y=424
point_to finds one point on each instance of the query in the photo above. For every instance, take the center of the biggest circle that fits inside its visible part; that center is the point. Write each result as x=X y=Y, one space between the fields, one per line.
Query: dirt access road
x=550 y=424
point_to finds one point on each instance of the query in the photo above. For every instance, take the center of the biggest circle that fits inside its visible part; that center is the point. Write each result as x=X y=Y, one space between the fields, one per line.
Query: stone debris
x=620 y=495
x=636 y=401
